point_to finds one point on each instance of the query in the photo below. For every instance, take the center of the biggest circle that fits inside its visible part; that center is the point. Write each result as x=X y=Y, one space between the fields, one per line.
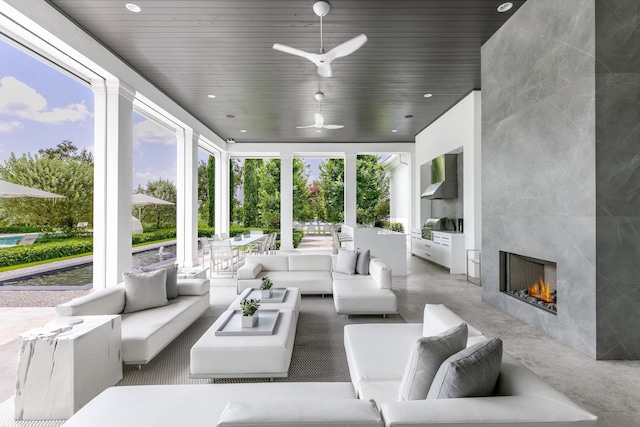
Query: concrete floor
x=610 y=389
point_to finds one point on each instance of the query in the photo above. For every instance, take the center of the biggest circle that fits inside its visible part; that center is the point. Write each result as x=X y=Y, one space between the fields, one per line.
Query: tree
x=251 y=192
x=269 y=193
x=62 y=171
x=372 y=188
x=236 y=175
x=211 y=190
x=301 y=207
x=161 y=215
x=316 y=202
x=232 y=187
x=203 y=193
x=332 y=183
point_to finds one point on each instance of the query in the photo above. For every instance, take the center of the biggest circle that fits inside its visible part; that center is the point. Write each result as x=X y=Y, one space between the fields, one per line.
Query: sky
x=41 y=106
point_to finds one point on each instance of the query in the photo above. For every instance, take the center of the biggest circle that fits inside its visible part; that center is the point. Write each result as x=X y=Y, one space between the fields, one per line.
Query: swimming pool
x=81 y=276
x=10 y=240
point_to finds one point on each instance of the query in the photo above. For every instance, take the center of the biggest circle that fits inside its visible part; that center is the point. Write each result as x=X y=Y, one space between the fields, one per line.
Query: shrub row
x=25 y=229
x=393 y=226
x=17 y=255
x=152 y=236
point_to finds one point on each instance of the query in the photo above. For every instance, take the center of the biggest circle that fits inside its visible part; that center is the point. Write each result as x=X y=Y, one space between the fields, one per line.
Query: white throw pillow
x=427 y=355
x=472 y=372
x=346 y=262
x=145 y=290
x=362 y=264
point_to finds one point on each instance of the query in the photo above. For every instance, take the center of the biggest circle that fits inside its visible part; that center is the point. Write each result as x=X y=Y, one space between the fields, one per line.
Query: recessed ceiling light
x=211 y=96
x=230 y=116
x=394 y=130
x=133 y=7
x=231 y=141
x=505 y=6
x=428 y=95
x=408 y=116
x=318 y=131
x=243 y=130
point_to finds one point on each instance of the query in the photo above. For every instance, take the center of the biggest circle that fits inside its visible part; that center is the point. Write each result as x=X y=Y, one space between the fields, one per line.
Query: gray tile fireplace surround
x=560 y=166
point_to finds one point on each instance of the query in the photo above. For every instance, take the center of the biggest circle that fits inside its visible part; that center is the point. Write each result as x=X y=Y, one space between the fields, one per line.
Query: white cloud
x=9 y=126
x=148 y=132
x=20 y=100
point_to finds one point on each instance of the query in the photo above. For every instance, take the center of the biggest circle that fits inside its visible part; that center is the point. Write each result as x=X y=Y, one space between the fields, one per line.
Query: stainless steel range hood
x=444 y=178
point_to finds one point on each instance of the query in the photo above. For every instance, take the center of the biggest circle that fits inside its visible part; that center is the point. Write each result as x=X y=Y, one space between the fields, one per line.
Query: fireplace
x=529 y=279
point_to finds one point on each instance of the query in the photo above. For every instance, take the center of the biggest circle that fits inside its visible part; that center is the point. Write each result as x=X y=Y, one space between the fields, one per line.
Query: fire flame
x=541 y=291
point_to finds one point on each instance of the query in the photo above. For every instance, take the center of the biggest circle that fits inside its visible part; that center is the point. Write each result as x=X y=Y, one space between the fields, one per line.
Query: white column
x=187 y=201
x=222 y=193
x=113 y=177
x=286 y=201
x=350 y=188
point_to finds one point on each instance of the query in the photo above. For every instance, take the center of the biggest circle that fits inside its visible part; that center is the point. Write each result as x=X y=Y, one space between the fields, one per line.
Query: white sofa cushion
x=363 y=297
x=249 y=271
x=310 y=262
x=100 y=301
x=193 y=286
x=472 y=372
x=438 y=318
x=145 y=333
x=425 y=359
x=343 y=413
x=380 y=272
x=192 y=405
x=144 y=290
x=269 y=262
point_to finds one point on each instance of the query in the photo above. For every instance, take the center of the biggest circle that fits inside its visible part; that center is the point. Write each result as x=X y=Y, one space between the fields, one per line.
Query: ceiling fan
x=319 y=124
x=323 y=60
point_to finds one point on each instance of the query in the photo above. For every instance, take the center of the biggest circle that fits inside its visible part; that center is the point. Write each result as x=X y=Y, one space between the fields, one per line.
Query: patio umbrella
x=11 y=190
x=141 y=200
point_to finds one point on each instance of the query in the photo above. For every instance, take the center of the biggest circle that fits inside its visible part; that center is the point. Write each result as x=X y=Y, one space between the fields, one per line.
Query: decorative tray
x=277 y=295
x=232 y=324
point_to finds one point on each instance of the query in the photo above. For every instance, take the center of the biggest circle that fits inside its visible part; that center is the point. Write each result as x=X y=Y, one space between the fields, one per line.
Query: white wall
x=400 y=191
x=457 y=128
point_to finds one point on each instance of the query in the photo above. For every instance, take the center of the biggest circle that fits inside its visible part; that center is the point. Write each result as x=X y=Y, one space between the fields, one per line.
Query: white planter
x=250 y=321
x=266 y=293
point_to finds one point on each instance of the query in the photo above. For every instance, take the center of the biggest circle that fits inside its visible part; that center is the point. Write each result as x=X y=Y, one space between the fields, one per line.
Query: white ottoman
x=249 y=356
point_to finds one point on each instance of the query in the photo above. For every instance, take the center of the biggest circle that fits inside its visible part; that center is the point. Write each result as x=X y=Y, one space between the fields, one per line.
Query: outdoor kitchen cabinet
x=446 y=249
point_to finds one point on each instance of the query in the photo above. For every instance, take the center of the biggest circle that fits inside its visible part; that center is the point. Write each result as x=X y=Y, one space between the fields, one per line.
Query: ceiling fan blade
x=347 y=48
x=333 y=126
x=305 y=127
x=294 y=51
x=324 y=70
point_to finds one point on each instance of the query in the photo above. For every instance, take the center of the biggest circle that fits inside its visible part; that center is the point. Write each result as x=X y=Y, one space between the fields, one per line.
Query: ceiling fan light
x=133 y=7
x=505 y=7
x=428 y=95
x=321 y=8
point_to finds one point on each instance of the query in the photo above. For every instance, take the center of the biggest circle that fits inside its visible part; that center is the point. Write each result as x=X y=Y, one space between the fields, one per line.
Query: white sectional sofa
x=145 y=333
x=378 y=353
x=377 y=356
x=310 y=273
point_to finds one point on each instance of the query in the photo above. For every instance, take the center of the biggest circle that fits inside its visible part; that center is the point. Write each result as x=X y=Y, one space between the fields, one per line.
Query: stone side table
x=63 y=366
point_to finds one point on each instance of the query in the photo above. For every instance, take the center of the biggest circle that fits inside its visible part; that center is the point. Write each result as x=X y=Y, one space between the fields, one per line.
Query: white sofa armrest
x=249 y=271
x=338 y=412
x=380 y=273
x=102 y=301
x=193 y=286
x=438 y=318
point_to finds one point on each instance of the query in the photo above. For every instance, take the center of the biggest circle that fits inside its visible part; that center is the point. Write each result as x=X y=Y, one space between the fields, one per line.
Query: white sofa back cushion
x=270 y=262
x=193 y=286
x=249 y=271
x=310 y=263
x=343 y=412
x=438 y=318
x=381 y=273
x=102 y=301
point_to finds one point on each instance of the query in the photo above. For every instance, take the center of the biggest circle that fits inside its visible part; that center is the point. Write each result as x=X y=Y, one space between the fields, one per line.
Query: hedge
x=152 y=236
x=17 y=255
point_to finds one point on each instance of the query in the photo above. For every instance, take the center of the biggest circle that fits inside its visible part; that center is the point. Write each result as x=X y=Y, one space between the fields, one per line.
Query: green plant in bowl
x=248 y=307
x=265 y=287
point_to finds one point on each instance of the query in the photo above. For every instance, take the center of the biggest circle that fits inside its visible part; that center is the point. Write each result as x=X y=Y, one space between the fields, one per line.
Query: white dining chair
x=221 y=252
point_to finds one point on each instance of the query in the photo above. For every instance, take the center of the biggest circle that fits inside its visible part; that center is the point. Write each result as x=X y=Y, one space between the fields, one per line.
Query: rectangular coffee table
x=258 y=356
x=291 y=300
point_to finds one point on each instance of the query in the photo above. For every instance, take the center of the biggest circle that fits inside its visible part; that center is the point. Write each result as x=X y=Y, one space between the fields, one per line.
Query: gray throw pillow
x=145 y=290
x=346 y=262
x=172 y=280
x=362 y=263
x=427 y=355
x=472 y=372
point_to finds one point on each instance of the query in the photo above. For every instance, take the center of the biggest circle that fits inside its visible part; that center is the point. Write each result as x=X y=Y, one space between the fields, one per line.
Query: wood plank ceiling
x=191 y=49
